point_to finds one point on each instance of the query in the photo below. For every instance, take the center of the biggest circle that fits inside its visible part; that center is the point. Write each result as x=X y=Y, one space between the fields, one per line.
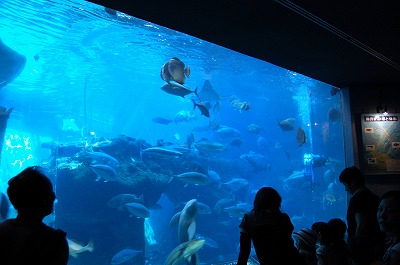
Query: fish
x=75 y=248
x=207 y=93
x=223 y=203
x=334 y=91
x=12 y=62
x=301 y=136
x=103 y=158
x=236 y=210
x=184 y=116
x=254 y=128
x=138 y=209
x=162 y=120
x=214 y=176
x=160 y=152
x=203 y=108
x=104 y=172
x=178 y=90
x=228 y=132
x=124 y=255
x=334 y=115
x=236 y=104
x=175 y=70
x=194 y=178
x=235 y=184
x=207 y=147
x=187 y=221
x=119 y=201
x=287 y=124
x=217 y=107
x=236 y=142
x=184 y=252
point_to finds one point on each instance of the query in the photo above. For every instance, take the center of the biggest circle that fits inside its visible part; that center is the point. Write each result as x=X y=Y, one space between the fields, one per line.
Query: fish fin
x=98 y=178
x=175 y=219
x=192 y=230
x=187 y=71
x=74 y=255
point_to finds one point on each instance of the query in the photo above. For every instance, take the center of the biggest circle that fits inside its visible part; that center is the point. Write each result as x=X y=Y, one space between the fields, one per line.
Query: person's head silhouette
x=31 y=193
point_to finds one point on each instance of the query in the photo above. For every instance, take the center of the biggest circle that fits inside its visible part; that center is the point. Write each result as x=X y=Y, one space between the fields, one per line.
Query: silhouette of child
x=305 y=243
x=26 y=239
x=389 y=222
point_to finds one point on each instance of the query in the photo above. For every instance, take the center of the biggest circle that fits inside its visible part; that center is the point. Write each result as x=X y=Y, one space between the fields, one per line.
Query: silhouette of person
x=364 y=236
x=26 y=239
x=270 y=230
x=389 y=222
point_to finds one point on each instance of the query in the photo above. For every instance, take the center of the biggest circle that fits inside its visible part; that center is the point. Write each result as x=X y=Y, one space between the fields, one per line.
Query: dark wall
x=366 y=100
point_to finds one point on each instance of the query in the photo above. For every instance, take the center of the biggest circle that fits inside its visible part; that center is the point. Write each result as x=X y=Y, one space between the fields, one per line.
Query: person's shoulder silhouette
x=26 y=239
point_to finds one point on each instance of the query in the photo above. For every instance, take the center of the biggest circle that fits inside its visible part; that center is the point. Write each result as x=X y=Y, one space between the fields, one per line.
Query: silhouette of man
x=26 y=239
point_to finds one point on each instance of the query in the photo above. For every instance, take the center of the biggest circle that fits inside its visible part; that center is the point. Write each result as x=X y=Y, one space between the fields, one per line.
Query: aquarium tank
x=142 y=128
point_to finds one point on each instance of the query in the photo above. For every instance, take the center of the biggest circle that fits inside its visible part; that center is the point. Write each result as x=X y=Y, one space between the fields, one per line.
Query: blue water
x=91 y=76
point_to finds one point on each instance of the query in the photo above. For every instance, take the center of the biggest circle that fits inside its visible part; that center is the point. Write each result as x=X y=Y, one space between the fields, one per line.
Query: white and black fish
x=175 y=70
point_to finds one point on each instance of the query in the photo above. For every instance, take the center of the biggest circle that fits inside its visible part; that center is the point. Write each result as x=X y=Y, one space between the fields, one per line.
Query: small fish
x=301 y=136
x=162 y=120
x=175 y=70
x=203 y=108
x=334 y=91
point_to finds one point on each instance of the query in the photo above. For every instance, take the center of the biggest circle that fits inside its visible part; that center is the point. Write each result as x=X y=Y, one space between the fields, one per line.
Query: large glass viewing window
x=132 y=121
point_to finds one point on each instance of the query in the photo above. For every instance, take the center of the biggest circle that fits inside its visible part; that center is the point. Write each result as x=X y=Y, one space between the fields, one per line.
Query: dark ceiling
x=343 y=43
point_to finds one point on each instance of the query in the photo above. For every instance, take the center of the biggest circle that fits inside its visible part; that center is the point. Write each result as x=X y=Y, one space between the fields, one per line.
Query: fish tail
x=194 y=104
x=90 y=246
x=195 y=92
x=187 y=71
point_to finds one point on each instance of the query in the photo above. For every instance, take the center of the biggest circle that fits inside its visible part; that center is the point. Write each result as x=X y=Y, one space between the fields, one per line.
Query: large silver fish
x=159 y=152
x=184 y=252
x=194 y=178
x=175 y=70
